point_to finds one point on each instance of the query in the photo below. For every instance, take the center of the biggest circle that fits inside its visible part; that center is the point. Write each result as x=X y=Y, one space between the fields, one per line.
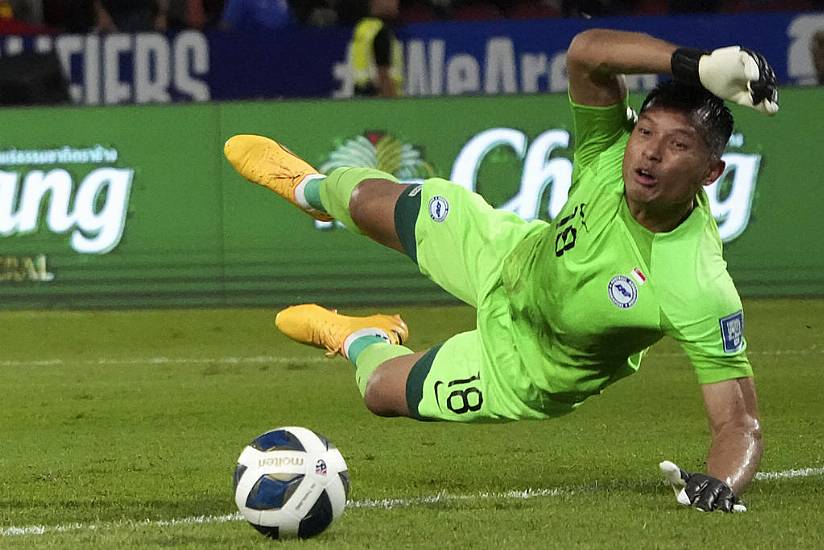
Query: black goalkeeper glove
x=702 y=492
x=732 y=73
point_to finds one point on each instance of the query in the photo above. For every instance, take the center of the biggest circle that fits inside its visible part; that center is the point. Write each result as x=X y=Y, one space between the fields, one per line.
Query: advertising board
x=135 y=206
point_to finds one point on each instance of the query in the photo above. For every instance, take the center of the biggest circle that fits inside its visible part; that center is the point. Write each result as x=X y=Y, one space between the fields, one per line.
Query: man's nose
x=652 y=150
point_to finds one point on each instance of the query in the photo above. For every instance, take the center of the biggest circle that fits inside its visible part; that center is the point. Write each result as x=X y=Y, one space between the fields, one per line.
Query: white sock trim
x=300 y=196
x=360 y=334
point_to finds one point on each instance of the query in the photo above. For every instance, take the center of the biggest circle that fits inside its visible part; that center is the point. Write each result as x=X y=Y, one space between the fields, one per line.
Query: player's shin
x=336 y=191
x=367 y=353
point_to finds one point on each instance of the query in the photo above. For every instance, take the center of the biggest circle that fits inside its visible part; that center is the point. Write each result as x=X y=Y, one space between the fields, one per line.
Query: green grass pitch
x=120 y=429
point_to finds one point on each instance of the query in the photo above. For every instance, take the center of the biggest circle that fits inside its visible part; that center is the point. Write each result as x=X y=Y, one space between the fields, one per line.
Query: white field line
x=384 y=504
x=282 y=360
x=790 y=474
x=255 y=360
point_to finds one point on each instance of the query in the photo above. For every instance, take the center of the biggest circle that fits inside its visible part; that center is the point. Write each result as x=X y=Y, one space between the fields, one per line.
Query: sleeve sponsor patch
x=732 y=332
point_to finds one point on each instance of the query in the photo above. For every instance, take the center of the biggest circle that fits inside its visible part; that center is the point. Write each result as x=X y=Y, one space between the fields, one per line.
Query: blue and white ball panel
x=271 y=492
x=337 y=491
x=311 y=442
x=288 y=519
x=277 y=440
x=239 y=470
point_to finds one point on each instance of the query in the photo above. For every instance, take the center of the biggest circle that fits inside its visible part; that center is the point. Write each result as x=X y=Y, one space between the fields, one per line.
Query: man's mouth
x=645 y=177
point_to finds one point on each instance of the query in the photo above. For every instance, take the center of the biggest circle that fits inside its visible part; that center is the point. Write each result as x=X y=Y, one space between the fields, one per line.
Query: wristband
x=685 y=65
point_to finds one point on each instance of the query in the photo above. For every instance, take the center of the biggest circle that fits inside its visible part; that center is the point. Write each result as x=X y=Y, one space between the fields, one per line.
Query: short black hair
x=708 y=113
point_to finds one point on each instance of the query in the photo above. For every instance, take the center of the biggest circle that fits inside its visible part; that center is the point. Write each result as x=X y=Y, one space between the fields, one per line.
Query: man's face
x=666 y=162
x=385 y=9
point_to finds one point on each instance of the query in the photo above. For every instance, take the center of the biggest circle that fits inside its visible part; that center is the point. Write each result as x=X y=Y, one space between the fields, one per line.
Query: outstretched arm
x=597 y=58
x=735 y=453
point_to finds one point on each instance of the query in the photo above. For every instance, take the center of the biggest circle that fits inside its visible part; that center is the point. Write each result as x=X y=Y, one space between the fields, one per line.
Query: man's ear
x=714 y=172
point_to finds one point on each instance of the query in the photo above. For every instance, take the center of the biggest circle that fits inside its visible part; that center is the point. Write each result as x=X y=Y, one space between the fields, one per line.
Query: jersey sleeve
x=713 y=339
x=596 y=129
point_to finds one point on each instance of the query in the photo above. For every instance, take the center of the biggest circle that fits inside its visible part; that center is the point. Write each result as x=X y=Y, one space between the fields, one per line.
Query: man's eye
x=681 y=145
x=644 y=131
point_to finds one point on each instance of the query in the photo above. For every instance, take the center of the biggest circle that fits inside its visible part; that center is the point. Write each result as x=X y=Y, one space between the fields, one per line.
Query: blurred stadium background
x=114 y=196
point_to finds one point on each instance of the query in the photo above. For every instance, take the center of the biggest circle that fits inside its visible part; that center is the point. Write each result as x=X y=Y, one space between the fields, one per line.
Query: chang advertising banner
x=441 y=58
x=91 y=201
x=135 y=206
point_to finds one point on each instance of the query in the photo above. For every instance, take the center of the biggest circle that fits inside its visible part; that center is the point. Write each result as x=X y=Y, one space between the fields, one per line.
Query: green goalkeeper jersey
x=589 y=293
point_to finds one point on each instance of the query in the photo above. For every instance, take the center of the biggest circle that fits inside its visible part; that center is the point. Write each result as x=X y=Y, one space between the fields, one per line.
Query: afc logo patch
x=732 y=332
x=438 y=208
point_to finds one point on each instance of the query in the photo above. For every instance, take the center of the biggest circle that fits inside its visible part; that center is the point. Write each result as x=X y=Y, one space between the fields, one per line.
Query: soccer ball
x=291 y=482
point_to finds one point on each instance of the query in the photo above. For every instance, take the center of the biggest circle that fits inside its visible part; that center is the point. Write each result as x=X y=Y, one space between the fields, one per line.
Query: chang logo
x=89 y=205
x=382 y=151
x=376 y=149
x=541 y=174
x=545 y=175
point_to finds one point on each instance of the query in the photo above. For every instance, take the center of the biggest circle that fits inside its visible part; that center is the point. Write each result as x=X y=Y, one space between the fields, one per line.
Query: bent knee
x=373 y=201
x=358 y=202
x=382 y=396
x=375 y=400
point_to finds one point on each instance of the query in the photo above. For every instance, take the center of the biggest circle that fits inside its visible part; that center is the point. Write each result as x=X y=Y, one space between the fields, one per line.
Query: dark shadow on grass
x=297 y=366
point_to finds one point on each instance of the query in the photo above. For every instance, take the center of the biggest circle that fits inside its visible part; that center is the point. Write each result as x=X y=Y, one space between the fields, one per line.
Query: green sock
x=367 y=353
x=360 y=344
x=337 y=188
x=311 y=192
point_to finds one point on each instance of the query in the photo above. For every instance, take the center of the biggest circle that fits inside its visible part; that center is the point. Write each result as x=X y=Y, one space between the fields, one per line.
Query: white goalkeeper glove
x=702 y=492
x=733 y=73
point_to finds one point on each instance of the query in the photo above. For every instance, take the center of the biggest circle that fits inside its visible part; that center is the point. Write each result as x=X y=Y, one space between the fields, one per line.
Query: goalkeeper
x=564 y=308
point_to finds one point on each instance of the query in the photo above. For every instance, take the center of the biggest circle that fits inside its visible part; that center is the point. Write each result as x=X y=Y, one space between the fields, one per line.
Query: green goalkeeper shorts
x=460 y=242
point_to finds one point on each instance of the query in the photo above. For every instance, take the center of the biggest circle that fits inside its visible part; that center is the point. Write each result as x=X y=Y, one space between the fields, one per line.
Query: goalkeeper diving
x=564 y=309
